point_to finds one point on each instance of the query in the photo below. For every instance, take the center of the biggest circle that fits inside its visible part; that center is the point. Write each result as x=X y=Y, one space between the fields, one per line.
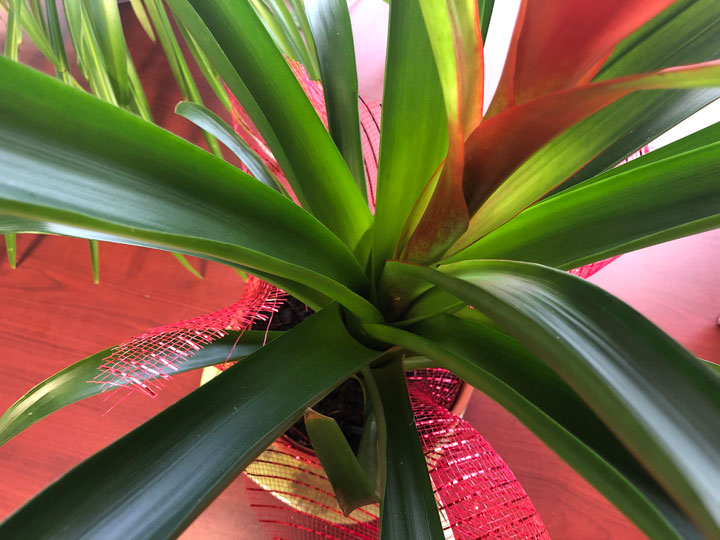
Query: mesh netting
x=369 y=112
x=144 y=361
x=477 y=494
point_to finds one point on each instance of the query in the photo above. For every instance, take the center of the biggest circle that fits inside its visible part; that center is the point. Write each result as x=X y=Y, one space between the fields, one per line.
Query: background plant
x=613 y=396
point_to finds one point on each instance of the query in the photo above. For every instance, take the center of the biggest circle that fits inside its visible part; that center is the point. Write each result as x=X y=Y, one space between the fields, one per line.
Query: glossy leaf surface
x=408 y=508
x=321 y=179
x=332 y=35
x=624 y=209
x=556 y=46
x=154 y=481
x=413 y=117
x=654 y=395
x=508 y=373
x=205 y=119
x=111 y=183
x=503 y=142
x=351 y=486
x=685 y=33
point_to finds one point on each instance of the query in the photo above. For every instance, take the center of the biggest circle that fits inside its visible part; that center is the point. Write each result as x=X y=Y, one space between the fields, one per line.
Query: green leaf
x=55 y=37
x=298 y=10
x=105 y=17
x=11 y=249
x=408 y=509
x=351 y=487
x=154 y=481
x=176 y=60
x=318 y=174
x=522 y=130
x=632 y=206
x=69 y=159
x=76 y=382
x=283 y=16
x=88 y=51
x=142 y=17
x=13 y=31
x=485 y=8
x=207 y=69
x=686 y=33
x=413 y=117
x=95 y=260
x=454 y=31
x=654 y=395
x=186 y=265
x=332 y=35
x=206 y=119
x=508 y=373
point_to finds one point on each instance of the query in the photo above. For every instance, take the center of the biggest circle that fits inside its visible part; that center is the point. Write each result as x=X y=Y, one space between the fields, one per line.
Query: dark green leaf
x=630 y=207
x=72 y=160
x=658 y=399
x=505 y=371
x=413 y=117
x=209 y=121
x=408 y=507
x=154 y=481
x=75 y=383
x=485 y=8
x=350 y=484
x=318 y=174
x=332 y=34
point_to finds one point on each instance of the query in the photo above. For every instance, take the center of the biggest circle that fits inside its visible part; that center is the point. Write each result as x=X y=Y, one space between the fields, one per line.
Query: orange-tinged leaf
x=455 y=37
x=503 y=142
x=557 y=44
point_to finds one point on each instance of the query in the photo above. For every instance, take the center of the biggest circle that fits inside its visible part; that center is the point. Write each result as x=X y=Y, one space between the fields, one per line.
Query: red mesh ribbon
x=369 y=111
x=477 y=494
x=142 y=362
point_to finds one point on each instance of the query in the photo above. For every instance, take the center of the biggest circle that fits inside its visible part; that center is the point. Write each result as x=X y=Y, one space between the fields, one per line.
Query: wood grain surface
x=52 y=315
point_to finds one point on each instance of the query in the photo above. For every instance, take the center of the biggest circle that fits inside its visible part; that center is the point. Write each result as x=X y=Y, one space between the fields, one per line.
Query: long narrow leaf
x=351 y=487
x=658 y=399
x=319 y=176
x=622 y=211
x=413 y=117
x=504 y=141
x=11 y=249
x=332 y=34
x=505 y=371
x=155 y=480
x=81 y=163
x=108 y=27
x=686 y=33
x=408 y=507
x=213 y=124
x=454 y=31
x=74 y=383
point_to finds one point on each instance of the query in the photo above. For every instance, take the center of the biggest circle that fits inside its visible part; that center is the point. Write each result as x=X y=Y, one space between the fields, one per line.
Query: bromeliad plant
x=462 y=218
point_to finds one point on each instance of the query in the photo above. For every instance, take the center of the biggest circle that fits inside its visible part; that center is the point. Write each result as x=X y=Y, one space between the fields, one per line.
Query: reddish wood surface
x=52 y=315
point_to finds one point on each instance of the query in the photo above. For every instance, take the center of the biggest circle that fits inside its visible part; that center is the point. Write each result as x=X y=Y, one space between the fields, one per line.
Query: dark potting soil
x=345 y=404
